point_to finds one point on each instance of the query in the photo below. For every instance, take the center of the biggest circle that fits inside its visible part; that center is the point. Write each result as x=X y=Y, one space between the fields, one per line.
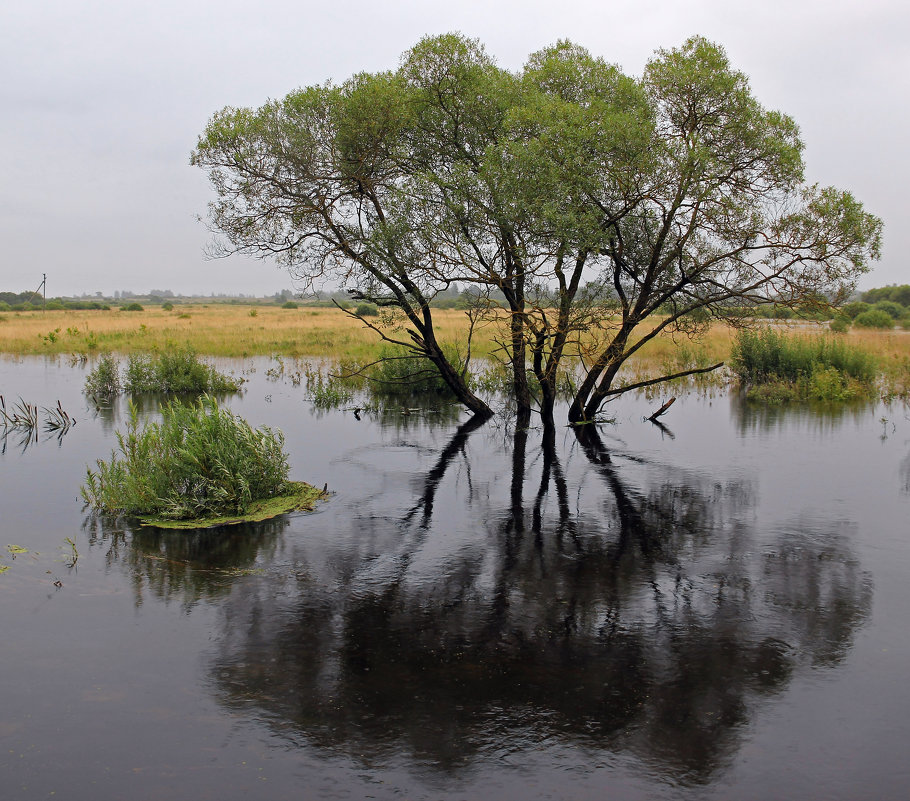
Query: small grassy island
x=201 y=466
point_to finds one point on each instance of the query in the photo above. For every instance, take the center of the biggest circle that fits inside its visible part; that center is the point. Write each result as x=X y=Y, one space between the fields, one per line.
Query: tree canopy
x=604 y=208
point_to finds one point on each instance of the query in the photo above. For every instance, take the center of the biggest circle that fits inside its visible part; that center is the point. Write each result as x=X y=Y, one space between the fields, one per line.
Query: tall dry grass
x=211 y=330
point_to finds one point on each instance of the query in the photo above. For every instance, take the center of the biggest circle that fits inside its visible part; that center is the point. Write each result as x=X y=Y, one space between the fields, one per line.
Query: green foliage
x=855 y=308
x=175 y=370
x=290 y=304
x=896 y=294
x=874 y=318
x=366 y=310
x=167 y=306
x=671 y=190
x=840 y=324
x=892 y=309
x=777 y=367
x=401 y=372
x=132 y=307
x=104 y=379
x=199 y=461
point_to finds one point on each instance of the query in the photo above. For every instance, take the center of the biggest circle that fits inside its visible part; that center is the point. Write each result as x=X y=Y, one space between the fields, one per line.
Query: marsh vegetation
x=200 y=461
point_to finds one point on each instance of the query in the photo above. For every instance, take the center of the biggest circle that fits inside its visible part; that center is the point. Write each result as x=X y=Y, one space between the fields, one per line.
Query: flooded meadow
x=713 y=608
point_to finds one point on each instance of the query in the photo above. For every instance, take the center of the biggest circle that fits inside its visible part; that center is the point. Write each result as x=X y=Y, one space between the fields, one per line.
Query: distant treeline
x=893 y=300
x=29 y=301
x=894 y=293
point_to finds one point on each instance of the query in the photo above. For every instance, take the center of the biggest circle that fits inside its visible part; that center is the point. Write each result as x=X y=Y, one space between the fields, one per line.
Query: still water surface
x=716 y=610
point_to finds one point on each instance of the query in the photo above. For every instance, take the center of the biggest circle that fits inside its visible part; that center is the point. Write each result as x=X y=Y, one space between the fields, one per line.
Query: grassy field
x=242 y=331
x=212 y=330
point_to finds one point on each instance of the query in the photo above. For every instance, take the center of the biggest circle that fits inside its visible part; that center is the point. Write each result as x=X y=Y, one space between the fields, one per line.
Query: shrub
x=132 y=307
x=840 y=324
x=290 y=304
x=366 y=310
x=167 y=306
x=874 y=318
x=889 y=307
x=803 y=367
x=855 y=308
x=104 y=380
x=401 y=372
x=199 y=461
x=175 y=371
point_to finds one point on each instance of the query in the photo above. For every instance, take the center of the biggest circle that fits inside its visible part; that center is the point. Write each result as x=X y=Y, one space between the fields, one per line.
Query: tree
x=604 y=209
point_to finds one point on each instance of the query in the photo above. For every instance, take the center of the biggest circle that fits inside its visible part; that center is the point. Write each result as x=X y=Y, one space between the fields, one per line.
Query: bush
x=199 y=461
x=167 y=306
x=801 y=367
x=175 y=371
x=290 y=304
x=104 y=380
x=855 y=308
x=366 y=310
x=874 y=318
x=400 y=372
x=132 y=307
x=840 y=324
x=892 y=309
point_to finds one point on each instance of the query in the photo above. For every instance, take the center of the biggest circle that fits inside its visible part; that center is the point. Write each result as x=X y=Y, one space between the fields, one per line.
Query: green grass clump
x=200 y=461
x=401 y=372
x=104 y=379
x=175 y=370
x=776 y=367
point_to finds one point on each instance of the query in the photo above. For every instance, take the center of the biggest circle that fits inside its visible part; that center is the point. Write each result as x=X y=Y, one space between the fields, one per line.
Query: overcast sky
x=101 y=102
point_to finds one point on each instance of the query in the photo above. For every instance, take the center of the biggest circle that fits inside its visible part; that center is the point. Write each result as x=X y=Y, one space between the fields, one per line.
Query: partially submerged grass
x=299 y=496
x=199 y=462
x=174 y=370
x=775 y=367
x=311 y=332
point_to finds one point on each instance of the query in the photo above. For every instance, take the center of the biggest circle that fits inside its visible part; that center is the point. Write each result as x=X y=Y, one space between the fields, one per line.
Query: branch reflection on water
x=639 y=613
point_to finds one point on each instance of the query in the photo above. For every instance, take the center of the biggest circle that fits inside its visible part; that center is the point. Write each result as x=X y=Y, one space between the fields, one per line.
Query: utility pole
x=42 y=288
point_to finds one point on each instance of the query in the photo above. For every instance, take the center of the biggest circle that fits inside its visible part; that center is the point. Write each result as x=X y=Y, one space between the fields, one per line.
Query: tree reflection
x=185 y=566
x=582 y=596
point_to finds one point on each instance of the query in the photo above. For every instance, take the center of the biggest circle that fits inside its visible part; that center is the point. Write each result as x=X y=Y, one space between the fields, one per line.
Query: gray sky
x=101 y=102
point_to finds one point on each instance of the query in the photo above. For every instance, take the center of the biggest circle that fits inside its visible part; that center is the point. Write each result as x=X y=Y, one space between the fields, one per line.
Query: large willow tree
x=604 y=208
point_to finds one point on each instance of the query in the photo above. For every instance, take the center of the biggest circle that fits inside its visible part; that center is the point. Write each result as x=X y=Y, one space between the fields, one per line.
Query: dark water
x=718 y=610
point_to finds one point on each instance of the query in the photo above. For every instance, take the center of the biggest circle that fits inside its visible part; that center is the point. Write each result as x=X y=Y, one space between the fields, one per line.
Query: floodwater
x=712 y=610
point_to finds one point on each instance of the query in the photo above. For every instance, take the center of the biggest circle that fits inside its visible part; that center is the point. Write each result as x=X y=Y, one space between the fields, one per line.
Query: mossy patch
x=302 y=497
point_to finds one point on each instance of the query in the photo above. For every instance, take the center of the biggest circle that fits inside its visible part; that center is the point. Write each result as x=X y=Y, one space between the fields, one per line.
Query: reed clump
x=776 y=367
x=174 y=370
x=200 y=461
